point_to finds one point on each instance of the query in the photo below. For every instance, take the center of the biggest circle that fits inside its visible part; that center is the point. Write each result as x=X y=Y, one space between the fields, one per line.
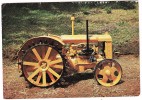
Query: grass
x=22 y=24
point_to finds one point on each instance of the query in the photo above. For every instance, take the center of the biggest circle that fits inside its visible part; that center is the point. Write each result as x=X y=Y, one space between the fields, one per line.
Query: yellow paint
x=81 y=68
x=55 y=62
x=108 y=50
x=72 y=19
x=54 y=73
x=38 y=78
x=48 y=53
x=30 y=63
x=96 y=49
x=29 y=42
x=43 y=67
x=44 y=77
x=82 y=38
x=36 y=54
x=57 y=66
x=33 y=74
x=108 y=73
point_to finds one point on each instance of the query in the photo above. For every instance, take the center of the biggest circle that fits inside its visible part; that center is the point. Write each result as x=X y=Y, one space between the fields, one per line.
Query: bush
x=108 y=10
x=127 y=5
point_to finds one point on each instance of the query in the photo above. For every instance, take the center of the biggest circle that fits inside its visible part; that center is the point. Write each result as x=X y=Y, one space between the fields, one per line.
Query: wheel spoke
x=38 y=78
x=54 y=73
x=105 y=78
x=101 y=72
x=48 y=53
x=36 y=54
x=57 y=66
x=30 y=63
x=51 y=76
x=42 y=65
x=113 y=69
x=55 y=61
x=44 y=77
x=33 y=74
x=107 y=68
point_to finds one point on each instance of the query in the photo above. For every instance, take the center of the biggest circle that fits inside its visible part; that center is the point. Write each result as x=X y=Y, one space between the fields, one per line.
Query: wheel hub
x=107 y=72
x=43 y=64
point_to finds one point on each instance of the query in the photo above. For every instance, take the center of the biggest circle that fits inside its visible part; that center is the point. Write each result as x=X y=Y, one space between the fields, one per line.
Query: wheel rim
x=108 y=72
x=42 y=65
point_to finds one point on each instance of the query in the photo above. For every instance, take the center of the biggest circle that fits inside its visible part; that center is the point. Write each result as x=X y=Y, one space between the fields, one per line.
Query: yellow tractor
x=44 y=60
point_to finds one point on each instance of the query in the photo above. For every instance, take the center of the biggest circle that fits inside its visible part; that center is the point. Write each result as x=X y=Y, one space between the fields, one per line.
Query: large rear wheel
x=42 y=65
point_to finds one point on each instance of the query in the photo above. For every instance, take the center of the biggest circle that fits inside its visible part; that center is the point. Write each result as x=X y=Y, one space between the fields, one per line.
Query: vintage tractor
x=45 y=60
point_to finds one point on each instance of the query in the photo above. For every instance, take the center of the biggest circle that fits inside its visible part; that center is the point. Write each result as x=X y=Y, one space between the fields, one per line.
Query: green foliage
x=126 y=5
x=23 y=22
x=108 y=10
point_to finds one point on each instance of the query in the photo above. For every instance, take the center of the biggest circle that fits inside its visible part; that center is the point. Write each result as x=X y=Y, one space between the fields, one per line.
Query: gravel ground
x=82 y=86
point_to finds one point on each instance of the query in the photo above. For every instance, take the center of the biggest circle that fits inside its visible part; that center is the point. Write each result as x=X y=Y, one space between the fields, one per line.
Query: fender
x=51 y=39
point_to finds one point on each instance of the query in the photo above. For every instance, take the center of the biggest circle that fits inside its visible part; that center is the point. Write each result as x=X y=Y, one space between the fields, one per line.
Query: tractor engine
x=80 y=59
x=85 y=51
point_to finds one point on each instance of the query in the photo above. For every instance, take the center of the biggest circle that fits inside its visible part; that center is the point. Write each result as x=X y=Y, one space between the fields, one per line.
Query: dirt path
x=80 y=86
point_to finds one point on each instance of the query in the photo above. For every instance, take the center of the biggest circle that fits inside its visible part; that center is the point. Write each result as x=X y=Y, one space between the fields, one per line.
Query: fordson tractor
x=45 y=60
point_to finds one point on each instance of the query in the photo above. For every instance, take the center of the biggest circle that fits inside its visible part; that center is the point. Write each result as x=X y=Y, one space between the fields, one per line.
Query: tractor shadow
x=121 y=81
x=72 y=80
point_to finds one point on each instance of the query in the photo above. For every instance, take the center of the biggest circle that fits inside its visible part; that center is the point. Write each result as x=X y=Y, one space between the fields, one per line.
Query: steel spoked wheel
x=42 y=65
x=108 y=72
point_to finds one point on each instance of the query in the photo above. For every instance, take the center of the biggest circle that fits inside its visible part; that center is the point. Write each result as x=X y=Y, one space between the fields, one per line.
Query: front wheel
x=108 y=72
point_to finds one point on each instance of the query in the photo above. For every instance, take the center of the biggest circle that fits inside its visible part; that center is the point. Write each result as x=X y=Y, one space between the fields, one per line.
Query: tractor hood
x=82 y=38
